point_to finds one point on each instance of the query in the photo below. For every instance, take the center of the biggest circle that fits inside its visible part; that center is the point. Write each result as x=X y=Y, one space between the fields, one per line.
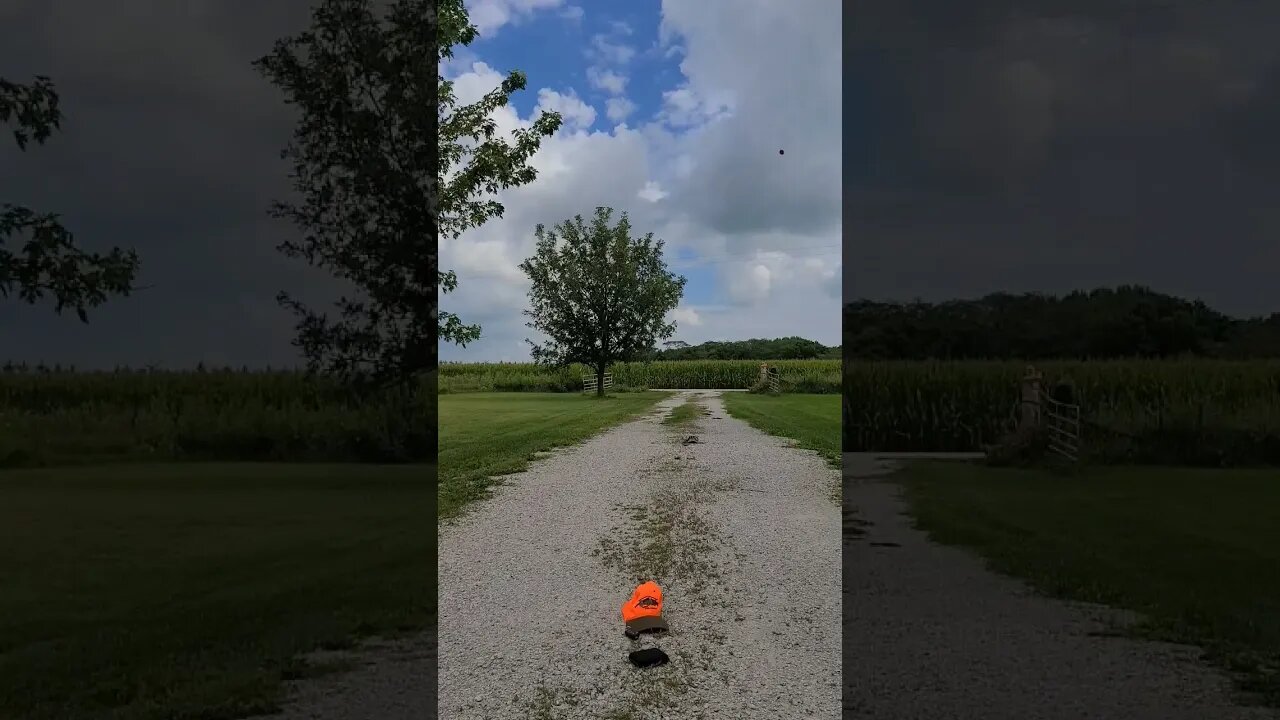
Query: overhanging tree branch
x=49 y=263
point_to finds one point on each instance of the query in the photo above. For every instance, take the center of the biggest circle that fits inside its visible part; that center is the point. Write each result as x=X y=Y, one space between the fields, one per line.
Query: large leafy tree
x=598 y=294
x=474 y=162
x=372 y=189
x=49 y=263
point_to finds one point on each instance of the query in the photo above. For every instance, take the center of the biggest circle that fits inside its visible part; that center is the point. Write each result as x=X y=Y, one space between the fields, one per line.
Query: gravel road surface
x=388 y=680
x=740 y=531
x=931 y=634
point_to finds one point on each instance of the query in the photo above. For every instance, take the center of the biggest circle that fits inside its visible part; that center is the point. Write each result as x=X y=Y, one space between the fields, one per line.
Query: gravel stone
x=391 y=680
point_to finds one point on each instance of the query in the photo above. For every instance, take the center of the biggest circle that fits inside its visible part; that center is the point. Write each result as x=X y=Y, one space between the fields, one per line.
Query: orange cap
x=646 y=601
x=644 y=610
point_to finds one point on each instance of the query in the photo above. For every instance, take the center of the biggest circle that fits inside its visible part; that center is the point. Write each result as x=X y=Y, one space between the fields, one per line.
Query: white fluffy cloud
x=607 y=80
x=702 y=172
x=605 y=49
x=576 y=113
x=489 y=15
x=618 y=108
x=686 y=316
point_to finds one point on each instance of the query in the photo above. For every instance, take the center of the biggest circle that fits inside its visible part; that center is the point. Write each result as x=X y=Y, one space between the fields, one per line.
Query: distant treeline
x=1124 y=322
x=788 y=348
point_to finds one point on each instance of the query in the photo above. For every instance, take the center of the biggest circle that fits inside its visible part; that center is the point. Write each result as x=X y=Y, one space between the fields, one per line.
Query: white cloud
x=618 y=108
x=607 y=80
x=605 y=50
x=490 y=15
x=652 y=192
x=751 y=283
x=705 y=176
x=683 y=107
x=685 y=317
x=756 y=279
x=488 y=259
x=573 y=13
x=575 y=113
x=472 y=80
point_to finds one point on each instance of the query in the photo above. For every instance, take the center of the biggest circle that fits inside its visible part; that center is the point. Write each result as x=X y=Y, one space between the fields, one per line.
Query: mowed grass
x=1197 y=551
x=812 y=421
x=485 y=435
x=140 y=592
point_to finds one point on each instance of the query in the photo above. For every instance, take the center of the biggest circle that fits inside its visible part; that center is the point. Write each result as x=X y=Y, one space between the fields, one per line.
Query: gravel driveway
x=932 y=634
x=740 y=531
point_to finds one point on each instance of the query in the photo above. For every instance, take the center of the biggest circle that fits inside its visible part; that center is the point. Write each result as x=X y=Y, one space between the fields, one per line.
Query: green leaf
x=379 y=176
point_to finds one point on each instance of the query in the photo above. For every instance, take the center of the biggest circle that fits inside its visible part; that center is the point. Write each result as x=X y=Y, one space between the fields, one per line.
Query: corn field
x=806 y=376
x=962 y=406
x=56 y=417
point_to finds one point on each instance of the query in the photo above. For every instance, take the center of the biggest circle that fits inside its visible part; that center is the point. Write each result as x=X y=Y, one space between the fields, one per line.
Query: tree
x=1127 y=321
x=598 y=294
x=474 y=163
x=50 y=262
x=373 y=192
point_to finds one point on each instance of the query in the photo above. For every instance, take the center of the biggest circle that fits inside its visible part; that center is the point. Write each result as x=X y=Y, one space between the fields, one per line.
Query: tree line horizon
x=1111 y=323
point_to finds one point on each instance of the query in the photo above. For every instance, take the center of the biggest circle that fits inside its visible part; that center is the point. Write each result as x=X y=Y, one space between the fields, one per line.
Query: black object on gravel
x=649 y=657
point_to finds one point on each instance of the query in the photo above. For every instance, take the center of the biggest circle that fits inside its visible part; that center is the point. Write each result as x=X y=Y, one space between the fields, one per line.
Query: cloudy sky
x=1051 y=145
x=675 y=112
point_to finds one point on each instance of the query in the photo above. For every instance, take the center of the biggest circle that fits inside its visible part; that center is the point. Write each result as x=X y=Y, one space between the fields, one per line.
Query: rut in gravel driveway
x=932 y=635
x=738 y=528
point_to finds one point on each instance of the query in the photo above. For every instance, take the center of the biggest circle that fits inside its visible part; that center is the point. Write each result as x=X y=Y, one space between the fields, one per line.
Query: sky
x=988 y=145
x=675 y=112
x=1045 y=145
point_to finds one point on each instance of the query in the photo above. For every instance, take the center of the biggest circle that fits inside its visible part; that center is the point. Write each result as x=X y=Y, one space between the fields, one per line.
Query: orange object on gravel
x=643 y=612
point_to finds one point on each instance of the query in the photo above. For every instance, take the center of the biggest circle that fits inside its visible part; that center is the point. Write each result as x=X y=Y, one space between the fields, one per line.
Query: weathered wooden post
x=764 y=373
x=1029 y=418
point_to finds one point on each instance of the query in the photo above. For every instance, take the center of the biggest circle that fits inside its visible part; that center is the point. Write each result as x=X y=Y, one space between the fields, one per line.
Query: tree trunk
x=600 y=380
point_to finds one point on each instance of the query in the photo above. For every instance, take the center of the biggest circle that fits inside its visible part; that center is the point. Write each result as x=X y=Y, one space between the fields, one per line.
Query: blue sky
x=675 y=116
x=553 y=47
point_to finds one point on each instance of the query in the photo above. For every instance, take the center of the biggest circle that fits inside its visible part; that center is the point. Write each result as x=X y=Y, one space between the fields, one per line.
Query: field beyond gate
x=1177 y=411
x=802 y=376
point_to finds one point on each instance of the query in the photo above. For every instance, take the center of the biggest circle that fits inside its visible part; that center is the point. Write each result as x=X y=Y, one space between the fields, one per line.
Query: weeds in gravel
x=675 y=542
x=682 y=416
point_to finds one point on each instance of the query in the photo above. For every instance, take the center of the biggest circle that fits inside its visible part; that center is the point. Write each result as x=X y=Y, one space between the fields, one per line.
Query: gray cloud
x=1052 y=145
x=170 y=146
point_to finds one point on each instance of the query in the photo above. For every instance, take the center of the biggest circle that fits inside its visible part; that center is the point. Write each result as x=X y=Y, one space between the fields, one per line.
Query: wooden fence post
x=1029 y=418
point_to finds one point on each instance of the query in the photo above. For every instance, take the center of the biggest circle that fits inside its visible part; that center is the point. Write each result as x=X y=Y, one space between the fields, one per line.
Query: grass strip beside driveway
x=812 y=421
x=1196 y=551
x=485 y=435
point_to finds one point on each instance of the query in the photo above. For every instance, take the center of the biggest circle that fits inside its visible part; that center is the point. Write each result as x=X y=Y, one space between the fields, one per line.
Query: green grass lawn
x=1197 y=551
x=813 y=421
x=187 y=590
x=483 y=435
